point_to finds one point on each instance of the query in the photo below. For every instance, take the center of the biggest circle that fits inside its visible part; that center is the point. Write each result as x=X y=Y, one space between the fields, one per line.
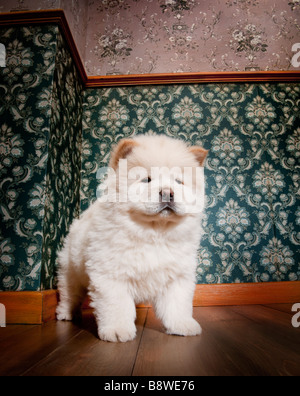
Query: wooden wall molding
x=192 y=78
x=39 y=307
x=58 y=17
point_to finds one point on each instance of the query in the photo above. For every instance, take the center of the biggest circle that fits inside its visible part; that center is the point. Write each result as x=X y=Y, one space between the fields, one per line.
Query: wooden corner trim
x=58 y=17
x=49 y=304
x=49 y=17
x=32 y=17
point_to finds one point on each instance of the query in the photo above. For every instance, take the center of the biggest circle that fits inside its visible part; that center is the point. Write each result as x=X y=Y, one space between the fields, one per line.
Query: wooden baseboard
x=29 y=307
x=39 y=307
x=247 y=294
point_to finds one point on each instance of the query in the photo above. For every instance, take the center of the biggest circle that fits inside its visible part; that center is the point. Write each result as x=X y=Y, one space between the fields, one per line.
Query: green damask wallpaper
x=252 y=221
x=62 y=194
x=54 y=137
x=40 y=140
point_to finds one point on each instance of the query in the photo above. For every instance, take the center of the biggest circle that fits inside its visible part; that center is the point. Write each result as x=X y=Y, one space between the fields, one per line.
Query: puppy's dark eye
x=179 y=181
x=146 y=180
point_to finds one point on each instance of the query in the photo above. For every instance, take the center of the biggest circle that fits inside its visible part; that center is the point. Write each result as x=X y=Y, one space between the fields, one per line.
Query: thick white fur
x=121 y=255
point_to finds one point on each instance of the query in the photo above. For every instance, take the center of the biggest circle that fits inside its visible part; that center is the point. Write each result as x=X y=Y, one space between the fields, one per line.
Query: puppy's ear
x=200 y=154
x=121 y=151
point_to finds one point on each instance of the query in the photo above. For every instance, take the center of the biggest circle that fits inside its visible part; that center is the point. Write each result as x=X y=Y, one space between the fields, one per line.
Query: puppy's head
x=159 y=178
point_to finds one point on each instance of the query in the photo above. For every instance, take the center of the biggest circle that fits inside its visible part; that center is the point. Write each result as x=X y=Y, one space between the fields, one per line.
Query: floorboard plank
x=164 y=355
x=86 y=355
x=231 y=344
x=280 y=307
x=266 y=339
x=276 y=336
x=13 y=331
x=237 y=340
x=22 y=350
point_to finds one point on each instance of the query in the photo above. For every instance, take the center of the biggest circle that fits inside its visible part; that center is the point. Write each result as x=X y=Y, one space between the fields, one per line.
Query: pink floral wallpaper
x=164 y=36
x=160 y=36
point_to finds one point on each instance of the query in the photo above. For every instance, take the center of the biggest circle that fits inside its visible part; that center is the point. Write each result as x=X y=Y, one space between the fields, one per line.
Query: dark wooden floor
x=248 y=340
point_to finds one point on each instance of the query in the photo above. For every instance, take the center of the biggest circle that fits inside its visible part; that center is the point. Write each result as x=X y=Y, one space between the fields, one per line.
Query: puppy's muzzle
x=166 y=196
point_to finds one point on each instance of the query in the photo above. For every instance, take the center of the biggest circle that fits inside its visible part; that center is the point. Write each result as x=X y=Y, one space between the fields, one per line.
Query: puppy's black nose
x=166 y=195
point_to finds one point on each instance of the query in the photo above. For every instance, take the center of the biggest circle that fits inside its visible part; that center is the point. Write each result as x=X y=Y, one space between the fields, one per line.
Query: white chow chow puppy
x=138 y=242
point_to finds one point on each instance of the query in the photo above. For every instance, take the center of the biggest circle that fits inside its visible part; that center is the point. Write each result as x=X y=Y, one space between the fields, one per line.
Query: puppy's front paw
x=117 y=334
x=63 y=314
x=187 y=327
